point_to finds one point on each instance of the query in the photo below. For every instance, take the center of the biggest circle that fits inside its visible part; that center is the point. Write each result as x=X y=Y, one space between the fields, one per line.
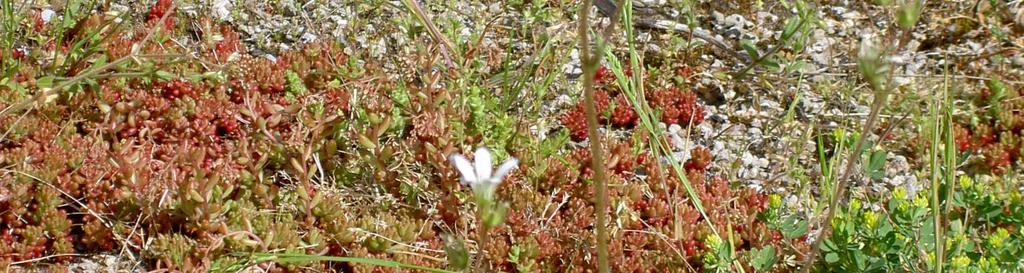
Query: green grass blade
x=646 y=114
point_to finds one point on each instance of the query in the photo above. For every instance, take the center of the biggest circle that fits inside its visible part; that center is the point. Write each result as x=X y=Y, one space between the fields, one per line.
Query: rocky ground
x=746 y=131
x=760 y=126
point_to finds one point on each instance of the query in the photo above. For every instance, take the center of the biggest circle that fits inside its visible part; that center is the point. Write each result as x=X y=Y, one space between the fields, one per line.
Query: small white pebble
x=307 y=38
x=221 y=9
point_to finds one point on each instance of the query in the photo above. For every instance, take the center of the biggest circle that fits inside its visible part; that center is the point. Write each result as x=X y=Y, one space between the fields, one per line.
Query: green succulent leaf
x=831 y=258
x=794 y=227
x=876 y=164
x=764 y=258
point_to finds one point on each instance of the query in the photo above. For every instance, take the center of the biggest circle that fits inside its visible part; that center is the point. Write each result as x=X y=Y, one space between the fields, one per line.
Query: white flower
x=479 y=176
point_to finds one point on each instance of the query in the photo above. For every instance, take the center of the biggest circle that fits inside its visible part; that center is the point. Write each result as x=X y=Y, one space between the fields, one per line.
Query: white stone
x=221 y=9
x=307 y=38
x=734 y=20
x=718 y=16
x=648 y=3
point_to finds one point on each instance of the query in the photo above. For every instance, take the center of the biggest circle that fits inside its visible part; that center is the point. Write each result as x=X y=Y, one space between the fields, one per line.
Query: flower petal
x=483 y=163
x=462 y=164
x=505 y=167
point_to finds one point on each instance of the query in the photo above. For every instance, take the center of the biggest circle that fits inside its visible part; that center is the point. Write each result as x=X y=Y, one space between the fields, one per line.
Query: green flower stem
x=481 y=241
x=590 y=60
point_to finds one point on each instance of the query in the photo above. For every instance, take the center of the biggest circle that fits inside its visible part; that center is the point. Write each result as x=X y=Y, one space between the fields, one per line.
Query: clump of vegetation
x=995 y=133
x=162 y=139
x=984 y=233
x=673 y=105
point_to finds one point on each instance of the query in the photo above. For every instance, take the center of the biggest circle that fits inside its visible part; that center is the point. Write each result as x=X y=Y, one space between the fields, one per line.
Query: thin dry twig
x=447 y=47
x=609 y=9
x=29 y=261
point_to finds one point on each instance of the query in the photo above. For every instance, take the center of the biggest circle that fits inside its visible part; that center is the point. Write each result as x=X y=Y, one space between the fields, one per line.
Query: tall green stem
x=596 y=150
x=481 y=243
x=590 y=60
